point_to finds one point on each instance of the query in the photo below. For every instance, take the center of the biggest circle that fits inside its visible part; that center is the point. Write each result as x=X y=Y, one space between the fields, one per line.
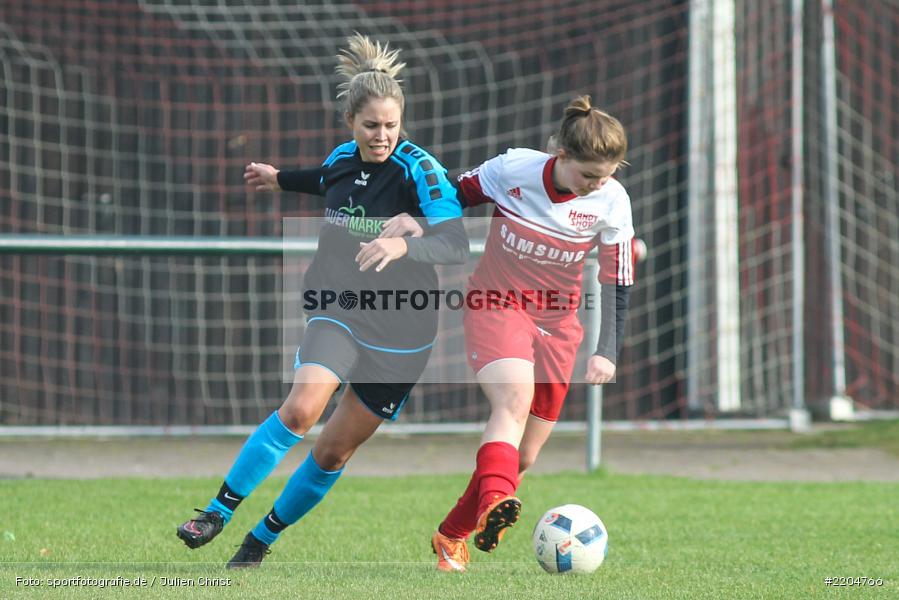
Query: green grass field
x=669 y=538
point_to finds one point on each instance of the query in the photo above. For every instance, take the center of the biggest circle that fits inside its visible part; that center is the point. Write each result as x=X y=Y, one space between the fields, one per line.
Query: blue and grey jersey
x=359 y=198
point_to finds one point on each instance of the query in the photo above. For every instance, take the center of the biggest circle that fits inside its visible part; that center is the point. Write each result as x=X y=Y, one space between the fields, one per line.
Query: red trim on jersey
x=470 y=187
x=525 y=264
x=568 y=237
x=555 y=195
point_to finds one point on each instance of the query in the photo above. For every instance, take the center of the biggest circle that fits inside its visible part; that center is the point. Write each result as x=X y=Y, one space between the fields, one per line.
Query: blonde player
x=377 y=356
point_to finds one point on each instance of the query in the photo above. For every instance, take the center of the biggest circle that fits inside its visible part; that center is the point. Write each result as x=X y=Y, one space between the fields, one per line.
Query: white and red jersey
x=538 y=237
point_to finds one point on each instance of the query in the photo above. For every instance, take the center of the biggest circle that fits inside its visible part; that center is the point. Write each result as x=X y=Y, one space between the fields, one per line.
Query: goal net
x=136 y=117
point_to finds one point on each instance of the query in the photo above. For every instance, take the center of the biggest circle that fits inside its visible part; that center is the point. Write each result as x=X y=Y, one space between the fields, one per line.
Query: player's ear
x=560 y=152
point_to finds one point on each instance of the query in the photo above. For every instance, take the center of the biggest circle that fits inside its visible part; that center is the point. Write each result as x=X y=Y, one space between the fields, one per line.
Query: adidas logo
x=515 y=193
x=364 y=180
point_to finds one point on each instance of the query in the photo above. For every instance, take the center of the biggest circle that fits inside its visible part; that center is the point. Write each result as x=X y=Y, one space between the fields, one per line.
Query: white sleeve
x=620 y=221
x=483 y=183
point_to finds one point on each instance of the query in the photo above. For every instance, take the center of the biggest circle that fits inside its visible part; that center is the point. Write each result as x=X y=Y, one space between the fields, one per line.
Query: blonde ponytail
x=369 y=70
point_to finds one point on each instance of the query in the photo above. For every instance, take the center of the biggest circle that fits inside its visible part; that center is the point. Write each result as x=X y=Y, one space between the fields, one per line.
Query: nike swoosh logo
x=230 y=497
x=447 y=558
x=272 y=520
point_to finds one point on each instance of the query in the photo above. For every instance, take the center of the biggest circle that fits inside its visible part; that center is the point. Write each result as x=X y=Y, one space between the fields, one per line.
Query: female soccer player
x=550 y=211
x=377 y=174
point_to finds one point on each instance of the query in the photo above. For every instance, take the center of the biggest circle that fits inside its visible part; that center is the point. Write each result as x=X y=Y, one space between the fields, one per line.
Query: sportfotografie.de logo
x=399 y=299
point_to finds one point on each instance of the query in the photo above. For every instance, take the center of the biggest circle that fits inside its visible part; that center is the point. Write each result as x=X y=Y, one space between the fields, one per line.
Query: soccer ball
x=570 y=539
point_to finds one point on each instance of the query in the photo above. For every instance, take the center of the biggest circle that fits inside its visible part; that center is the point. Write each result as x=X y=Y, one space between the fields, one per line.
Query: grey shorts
x=382 y=378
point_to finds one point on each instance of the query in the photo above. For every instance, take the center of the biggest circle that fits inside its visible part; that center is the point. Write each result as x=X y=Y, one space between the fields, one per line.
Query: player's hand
x=599 y=370
x=380 y=252
x=263 y=177
x=401 y=225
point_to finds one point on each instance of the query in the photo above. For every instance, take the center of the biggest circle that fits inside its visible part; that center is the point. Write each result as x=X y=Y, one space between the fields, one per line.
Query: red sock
x=496 y=463
x=497 y=472
x=463 y=518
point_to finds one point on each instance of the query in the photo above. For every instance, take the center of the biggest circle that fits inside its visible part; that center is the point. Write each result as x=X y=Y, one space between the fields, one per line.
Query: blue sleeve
x=345 y=150
x=436 y=195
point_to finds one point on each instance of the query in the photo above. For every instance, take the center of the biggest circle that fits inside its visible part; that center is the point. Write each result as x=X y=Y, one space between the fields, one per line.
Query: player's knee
x=331 y=458
x=302 y=408
x=516 y=407
x=296 y=419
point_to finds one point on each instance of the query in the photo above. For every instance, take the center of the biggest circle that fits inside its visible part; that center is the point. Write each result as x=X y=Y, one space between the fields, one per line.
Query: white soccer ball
x=570 y=539
x=640 y=250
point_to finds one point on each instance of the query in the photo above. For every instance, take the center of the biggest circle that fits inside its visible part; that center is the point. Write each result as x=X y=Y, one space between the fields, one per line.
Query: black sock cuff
x=273 y=523
x=228 y=497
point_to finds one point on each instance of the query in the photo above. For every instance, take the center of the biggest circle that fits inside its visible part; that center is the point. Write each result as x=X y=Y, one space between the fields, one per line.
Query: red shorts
x=492 y=335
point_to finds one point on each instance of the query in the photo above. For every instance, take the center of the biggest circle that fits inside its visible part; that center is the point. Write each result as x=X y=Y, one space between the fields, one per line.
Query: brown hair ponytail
x=588 y=134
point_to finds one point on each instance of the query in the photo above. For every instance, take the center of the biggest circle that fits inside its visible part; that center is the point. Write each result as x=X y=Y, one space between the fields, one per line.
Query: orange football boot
x=502 y=513
x=452 y=554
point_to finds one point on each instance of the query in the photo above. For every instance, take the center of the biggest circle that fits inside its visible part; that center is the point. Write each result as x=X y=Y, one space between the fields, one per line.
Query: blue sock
x=260 y=454
x=306 y=487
